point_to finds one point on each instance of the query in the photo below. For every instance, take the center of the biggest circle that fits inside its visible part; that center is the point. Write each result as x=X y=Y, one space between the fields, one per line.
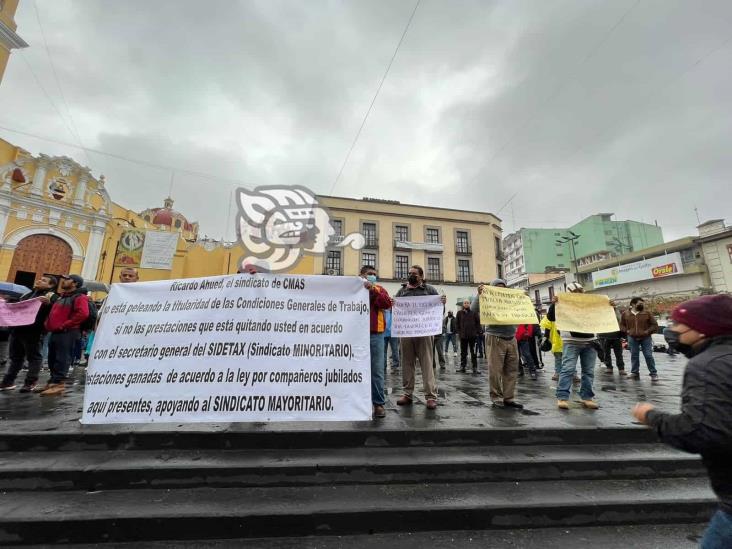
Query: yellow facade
x=9 y=39
x=56 y=218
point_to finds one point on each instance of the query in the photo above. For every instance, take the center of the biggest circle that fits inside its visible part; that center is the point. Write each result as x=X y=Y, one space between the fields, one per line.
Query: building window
x=551 y=293
x=461 y=242
x=337 y=225
x=177 y=223
x=432 y=236
x=369 y=233
x=729 y=251
x=463 y=274
x=401 y=233
x=499 y=270
x=401 y=266
x=333 y=263
x=433 y=269
x=537 y=297
x=368 y=258
x=497 y=243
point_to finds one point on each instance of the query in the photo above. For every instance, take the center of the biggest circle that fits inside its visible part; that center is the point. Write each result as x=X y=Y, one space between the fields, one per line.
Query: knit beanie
x=710 y=315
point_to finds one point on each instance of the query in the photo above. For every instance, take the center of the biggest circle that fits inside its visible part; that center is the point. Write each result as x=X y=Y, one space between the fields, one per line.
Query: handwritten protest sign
x=588 y=313
x=416 y=316
x=21 y=313
x=232 y=348
x=505 y=306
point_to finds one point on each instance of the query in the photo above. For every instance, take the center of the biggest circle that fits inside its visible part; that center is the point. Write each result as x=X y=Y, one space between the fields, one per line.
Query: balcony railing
x=335 y=239
x=333 y=271
x=465 y=279
x=434 y=277
x=371 y=242
x=435 y=247
x=463 y=249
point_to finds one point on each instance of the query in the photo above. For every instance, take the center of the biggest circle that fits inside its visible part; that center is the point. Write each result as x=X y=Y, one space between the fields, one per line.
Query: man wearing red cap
x=702 y=330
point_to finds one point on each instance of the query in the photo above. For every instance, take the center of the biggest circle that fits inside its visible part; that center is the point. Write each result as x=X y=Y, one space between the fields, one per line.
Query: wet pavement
x=464 y=404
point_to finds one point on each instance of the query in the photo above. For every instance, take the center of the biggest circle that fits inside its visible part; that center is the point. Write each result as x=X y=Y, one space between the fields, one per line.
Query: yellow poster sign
x=586 y=313
x=505 y=306
x=129 y=249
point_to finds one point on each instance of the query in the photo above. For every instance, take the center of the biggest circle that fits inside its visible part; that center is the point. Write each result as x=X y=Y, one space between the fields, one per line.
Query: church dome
x=168 y=217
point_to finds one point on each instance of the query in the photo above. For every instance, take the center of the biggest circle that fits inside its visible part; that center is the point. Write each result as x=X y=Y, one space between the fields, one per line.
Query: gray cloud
x=577 y=106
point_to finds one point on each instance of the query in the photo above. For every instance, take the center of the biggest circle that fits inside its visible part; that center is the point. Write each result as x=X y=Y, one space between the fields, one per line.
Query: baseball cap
x=76 y=278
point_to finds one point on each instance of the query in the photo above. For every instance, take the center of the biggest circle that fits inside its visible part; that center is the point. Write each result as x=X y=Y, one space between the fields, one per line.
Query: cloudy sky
x=574 y=107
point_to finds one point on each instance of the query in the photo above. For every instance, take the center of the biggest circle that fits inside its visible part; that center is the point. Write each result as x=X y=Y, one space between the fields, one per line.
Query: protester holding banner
x=418 y=348
x=64 y=320
x=702 y=330
x=576 y=346
x=25 y=341
x=468 y=327
x=379 y=300
x=640 y=325
x=502 y=353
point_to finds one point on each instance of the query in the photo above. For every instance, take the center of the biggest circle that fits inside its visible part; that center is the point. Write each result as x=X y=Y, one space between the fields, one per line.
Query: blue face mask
x=371 y=278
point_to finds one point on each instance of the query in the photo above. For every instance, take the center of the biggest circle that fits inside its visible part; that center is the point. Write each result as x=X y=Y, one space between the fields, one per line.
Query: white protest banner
x=158 y=250
x=416 y=316
x=232 y=348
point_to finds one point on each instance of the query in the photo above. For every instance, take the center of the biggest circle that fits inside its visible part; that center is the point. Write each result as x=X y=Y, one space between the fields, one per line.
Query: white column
x=80 y=194
x=4 y=215
x=93 y=251
x=39 y=177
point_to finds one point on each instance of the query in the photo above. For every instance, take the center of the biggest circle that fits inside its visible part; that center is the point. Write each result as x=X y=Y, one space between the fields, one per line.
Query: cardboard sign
x=588 y=313
x=506 y=306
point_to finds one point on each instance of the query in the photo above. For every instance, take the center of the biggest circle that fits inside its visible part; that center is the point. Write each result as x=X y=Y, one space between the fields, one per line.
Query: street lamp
x=571 y=241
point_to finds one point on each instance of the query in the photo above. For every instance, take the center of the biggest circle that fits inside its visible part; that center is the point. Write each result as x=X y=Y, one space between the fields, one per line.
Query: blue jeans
x=377 y=369
x=718 y=534
x=587 y=357
x=392 y=342
x=645 y=345
x=557 y=363
x=450 y=338
x=480 y=345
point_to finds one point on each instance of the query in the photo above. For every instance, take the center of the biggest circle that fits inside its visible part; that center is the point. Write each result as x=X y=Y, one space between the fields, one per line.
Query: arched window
x=177 y=223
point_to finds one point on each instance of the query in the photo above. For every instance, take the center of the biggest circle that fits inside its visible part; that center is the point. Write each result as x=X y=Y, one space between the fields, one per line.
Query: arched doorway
x=37 y=255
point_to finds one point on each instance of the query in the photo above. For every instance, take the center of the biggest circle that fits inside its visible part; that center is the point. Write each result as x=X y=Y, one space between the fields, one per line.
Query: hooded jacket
x=704 y=426
x=68 y=312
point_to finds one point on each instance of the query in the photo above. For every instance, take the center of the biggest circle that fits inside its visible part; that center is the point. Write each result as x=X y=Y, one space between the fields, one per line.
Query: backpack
x=91 y=321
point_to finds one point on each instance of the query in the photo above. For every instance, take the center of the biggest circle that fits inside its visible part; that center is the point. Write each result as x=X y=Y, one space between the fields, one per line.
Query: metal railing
x=463 y=249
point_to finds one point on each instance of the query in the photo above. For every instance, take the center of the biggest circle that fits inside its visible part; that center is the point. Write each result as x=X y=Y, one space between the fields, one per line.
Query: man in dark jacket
x=640 y=325
x=612 y=343
x=702 y=330
x=25 y=341
x=417 y=348
x=468 y=326
x=64 y=320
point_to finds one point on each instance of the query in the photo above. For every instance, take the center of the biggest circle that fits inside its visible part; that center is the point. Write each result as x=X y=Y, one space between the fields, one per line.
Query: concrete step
x=97 y=470
x=216 y=513
x=367 y=435
x=646 y=536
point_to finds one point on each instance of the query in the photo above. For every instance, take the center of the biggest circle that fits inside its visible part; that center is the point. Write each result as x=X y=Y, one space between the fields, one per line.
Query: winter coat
x=68 y=312
x=704 y=426
x=468 y=324
x=638 y=325
x=524 y=332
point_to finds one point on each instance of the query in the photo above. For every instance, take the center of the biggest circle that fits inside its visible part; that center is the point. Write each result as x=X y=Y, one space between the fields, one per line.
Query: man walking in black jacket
x=702 y=330
x=25 y=341
x=468 y=326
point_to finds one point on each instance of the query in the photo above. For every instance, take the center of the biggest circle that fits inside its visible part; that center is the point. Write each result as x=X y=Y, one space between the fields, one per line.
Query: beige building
x=456 y=248
x=9 y=39
x=715 y=239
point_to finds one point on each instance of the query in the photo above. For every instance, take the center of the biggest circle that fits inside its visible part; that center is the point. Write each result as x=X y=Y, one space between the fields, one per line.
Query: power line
x=368 y=111
x=75 y=132
x=147 y=163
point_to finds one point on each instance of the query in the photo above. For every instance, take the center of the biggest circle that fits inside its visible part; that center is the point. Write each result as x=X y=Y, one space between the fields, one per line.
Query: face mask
x=412 y=279
x=639 y=307
x=672 y=338
x=371 y=278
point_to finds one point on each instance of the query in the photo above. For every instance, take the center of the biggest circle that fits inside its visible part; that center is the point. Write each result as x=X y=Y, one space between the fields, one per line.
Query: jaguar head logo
x=278 y=225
